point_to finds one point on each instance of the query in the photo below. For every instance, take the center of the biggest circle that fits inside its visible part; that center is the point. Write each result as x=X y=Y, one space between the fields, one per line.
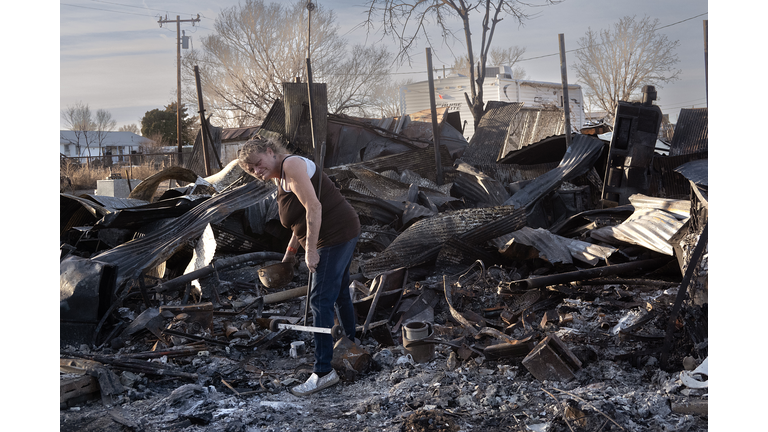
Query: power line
x=105 y=10
x=579 y=49
x=146 y=8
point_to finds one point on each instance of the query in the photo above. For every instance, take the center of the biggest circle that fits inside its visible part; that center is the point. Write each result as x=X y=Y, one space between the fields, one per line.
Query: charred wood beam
x=544 y=281
x=698 y=252
x=221 y=264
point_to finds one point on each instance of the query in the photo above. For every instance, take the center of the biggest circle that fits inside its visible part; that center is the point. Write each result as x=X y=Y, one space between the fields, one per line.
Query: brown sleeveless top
x=340 y=222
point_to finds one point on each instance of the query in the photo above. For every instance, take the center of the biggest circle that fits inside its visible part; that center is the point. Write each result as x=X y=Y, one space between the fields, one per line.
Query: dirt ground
x=620 y=386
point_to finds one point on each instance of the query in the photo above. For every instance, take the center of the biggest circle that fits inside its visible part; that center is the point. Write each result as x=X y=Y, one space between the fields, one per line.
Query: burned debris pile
x=515 y=291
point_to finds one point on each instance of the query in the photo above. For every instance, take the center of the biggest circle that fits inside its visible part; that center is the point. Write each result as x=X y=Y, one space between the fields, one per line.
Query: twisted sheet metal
x=691 y=132
x=650 y=228
x=420 y=242
x=555 y=248
x=147 y=252
x=579 y=158
x=491 y=133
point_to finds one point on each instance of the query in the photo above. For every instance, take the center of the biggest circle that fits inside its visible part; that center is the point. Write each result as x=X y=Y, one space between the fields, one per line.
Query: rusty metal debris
x=516 y=263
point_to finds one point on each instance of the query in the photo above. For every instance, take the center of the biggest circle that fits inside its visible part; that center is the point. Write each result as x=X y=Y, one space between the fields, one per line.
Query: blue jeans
x=330 y=284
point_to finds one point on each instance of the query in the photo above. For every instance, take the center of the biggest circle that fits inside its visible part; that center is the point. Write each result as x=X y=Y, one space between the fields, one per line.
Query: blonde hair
x=258 y=144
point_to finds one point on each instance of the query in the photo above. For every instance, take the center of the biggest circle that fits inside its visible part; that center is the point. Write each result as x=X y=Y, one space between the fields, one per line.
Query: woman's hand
x=312 y=259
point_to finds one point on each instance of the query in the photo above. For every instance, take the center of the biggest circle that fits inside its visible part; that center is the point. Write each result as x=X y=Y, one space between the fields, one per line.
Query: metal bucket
x=276 y=275
x=413 y=334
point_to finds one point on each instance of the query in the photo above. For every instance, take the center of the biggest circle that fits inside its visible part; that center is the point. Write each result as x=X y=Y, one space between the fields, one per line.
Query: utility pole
x=178 y=74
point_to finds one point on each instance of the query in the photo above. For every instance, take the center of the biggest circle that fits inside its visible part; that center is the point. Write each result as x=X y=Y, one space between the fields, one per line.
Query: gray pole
x=706 y=48
x=435 y=127
x=178 y=88
x=566 y=100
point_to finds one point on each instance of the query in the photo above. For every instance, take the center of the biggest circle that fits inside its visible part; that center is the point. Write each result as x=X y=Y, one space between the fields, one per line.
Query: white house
x=498 y=86
x=117 y=144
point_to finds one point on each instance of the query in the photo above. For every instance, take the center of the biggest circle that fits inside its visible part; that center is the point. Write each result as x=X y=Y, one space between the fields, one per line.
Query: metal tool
x=336 y=331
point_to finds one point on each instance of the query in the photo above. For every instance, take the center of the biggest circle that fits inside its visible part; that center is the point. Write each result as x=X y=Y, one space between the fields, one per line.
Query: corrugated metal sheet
x=549 y=149
x=196 y=161
x=511 y=173
x=531 y=125
x=450 y=93
x=239 y=134
x=420 y=161
x=691 y=132
x=650 y=228
x=152 y=250
x=479 y=187
x=579 y=158
x=273 y=125
x=491 y=134
x=696 y=171
x=681 y=208
x=298 y=131
x=554 y=248
x=665 y=181
x=422 y=240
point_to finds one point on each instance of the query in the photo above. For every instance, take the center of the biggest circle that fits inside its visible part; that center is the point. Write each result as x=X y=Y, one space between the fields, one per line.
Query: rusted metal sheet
x=579 y=158
x=691 y=132
x=487 y=143
x=134 y=257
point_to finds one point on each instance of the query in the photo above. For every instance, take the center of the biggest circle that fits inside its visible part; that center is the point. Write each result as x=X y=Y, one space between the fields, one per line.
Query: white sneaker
x=315 y=384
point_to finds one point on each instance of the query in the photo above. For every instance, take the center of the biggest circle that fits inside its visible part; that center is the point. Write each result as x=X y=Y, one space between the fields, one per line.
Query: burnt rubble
x=532 y=296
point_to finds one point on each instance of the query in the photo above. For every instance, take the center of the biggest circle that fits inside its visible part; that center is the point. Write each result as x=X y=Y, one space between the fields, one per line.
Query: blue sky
x=114 y=55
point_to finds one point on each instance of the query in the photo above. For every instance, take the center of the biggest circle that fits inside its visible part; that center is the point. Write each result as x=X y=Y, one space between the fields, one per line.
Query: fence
x=157 y=160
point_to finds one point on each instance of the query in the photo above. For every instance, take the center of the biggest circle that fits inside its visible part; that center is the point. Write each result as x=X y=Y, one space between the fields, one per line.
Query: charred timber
x=544 y=281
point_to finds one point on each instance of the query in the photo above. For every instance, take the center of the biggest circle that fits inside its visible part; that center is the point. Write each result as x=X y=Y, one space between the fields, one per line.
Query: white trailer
x=449 y=92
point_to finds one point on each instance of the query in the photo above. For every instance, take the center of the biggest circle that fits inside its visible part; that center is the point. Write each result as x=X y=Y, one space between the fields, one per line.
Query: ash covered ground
x=620 y=385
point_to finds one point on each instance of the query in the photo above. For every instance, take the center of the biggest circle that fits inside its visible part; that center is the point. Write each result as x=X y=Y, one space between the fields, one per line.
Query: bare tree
x=615 y=64
x=259 y=46
x=354 y=86
x=497 y=57
x=408 y=21
x=78 y=119
x=130 y=128
x=103 y=125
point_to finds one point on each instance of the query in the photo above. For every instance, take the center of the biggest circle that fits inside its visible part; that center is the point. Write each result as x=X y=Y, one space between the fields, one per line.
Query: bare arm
x=299 y=182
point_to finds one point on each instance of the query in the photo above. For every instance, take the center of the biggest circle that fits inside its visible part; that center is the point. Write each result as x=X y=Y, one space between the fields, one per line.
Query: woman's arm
x=290 y=251
x=299 y=182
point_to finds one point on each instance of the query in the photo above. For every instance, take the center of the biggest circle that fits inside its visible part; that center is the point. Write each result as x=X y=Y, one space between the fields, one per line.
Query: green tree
x=162 y=123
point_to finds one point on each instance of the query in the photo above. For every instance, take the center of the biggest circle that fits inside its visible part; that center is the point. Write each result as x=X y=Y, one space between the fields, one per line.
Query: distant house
x=116 y=144
x=499 y=86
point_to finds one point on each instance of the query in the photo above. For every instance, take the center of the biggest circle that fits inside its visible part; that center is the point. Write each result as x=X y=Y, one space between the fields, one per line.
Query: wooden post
x=435 y=126
x=566 y=100
x=706 y=50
